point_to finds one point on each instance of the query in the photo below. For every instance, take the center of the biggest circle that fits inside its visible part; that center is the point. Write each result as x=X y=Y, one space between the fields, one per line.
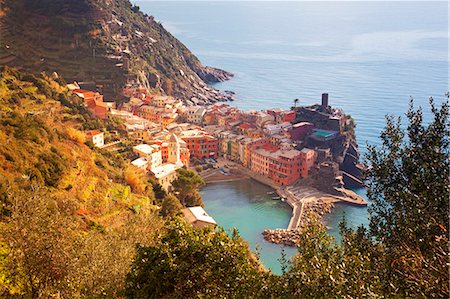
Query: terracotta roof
x=93 y=133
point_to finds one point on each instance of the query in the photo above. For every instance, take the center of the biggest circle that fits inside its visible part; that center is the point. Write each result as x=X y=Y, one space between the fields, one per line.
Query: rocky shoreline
x=292 y=237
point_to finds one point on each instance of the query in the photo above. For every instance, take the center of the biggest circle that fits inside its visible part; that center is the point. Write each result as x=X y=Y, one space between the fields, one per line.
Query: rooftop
x=140 y=162
x=302 y=124
x=144 y=148
x=164 y=170
x=93 y=133
x=194 y=133
x=193 y=214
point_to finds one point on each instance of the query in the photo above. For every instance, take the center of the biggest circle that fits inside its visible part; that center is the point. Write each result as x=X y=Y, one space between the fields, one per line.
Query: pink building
x=300 y=130
x=282 y=116
x=308 y=158
x=281 y=166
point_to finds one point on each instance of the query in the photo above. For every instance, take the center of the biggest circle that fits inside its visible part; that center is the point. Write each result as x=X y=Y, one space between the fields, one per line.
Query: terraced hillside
x=104 y=42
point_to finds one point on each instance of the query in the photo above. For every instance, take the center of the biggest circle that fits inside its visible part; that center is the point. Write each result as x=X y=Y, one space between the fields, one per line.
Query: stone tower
x=174 y=150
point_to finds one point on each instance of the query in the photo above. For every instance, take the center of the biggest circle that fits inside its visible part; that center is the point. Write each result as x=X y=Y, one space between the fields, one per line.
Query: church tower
x=173 y=150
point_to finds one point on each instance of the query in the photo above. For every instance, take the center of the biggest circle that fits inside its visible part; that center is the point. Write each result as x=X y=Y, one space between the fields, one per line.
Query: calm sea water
x=369 y=56
x=248 y=206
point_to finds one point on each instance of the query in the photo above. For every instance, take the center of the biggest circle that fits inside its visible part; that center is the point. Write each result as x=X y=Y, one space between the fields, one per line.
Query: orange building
x=282 y=116
x=93 y=101
x=185 y=156
x=281 y=166
x=308 y=158
x=97 y=108
x=201 y=144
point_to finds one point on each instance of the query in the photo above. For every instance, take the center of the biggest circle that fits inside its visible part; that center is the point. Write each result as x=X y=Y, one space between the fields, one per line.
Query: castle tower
x=324 y=100
x=174 y=150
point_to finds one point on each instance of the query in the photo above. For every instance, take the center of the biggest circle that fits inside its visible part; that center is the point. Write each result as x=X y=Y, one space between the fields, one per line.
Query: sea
x=371 y=57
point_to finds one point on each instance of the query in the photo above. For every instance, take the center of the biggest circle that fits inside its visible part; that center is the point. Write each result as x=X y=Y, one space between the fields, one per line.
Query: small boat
x=271 y=192
x=276 y=198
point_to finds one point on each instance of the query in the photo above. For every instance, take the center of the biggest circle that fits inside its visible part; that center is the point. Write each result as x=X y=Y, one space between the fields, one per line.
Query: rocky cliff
x=107 y=43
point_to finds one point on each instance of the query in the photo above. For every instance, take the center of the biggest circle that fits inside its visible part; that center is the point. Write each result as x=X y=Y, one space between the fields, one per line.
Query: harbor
x=300 y=197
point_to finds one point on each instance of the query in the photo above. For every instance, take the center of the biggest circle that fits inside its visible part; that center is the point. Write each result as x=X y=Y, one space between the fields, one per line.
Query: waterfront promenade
x=299 y=196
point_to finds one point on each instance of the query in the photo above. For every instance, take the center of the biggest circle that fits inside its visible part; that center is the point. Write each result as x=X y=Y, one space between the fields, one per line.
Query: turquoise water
x=369 y=56
x=246 y=205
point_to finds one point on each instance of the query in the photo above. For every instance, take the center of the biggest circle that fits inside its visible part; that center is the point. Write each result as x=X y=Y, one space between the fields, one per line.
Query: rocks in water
x=319 y=208
x=282 y=236
x=292 y=237
x=213 y=75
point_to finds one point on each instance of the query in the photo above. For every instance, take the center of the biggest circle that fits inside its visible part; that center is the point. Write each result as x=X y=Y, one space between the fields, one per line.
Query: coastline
x=301 y=197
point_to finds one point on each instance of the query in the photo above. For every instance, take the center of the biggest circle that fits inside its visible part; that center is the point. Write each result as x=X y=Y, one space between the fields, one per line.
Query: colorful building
x=308 y=158
x=200 y=143
x=300 y=130
x=166 y=174
x=281 y=166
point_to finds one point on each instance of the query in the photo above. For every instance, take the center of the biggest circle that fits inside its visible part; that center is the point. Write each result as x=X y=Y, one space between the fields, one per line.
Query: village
x=296 y=152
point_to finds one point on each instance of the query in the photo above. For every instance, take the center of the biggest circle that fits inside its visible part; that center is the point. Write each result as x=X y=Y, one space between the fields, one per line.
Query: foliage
x=135 y=179
x=186 y=186
x=159 y=191
x=62 y=234
x=51 y=165
x=170 y=206
x=410 y=188
x=325 y=269
x=188 y=263
x=75 y=135
x=47 y=251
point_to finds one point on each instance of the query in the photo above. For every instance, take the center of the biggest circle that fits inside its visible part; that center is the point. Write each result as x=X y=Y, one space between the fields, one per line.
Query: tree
x=170 y=206
x=323 y=268
x=409 y=190
x=160 y=193
x=46 y=250
x=186 y=186
x=188 y=263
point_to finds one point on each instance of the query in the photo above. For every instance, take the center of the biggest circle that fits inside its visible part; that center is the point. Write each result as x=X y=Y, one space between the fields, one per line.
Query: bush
x=75 y=135
x=191 y=263
x=135 y=179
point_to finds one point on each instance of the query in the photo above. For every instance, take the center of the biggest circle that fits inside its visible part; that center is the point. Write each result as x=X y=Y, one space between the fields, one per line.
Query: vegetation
x=77 y=222
x=186 y=187
x=170 y=206
x=188 y=263
x=410 y=188
x=77 y=38
x=68 y=222
x=47 y=249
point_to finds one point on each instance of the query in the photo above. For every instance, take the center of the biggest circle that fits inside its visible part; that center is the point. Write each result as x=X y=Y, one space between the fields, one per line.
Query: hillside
x=103 y=42
x=84 y=209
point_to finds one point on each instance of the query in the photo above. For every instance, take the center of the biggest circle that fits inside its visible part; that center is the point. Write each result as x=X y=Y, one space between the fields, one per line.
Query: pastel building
x=151 y=152
x=141 y=162
x=200 y=143
x=166 y=174
x=281 y=166
x=194 y=115
x=308 y=158
x=282 y=115
x=93 y=101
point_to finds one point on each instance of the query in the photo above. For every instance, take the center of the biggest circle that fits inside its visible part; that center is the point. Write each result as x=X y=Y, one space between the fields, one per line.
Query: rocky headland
x=104 y=45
